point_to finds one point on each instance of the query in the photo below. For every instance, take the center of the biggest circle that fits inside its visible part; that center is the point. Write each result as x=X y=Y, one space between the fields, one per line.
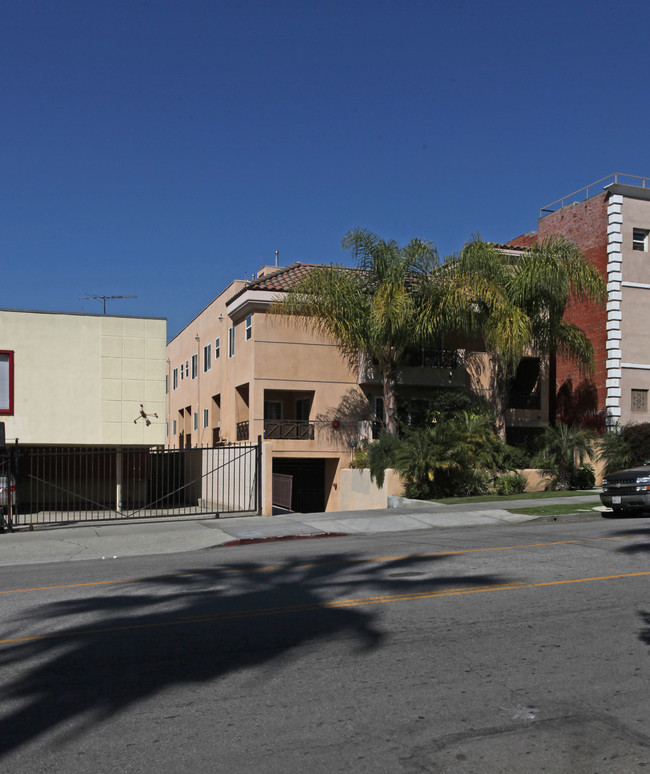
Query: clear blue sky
x=160 y=148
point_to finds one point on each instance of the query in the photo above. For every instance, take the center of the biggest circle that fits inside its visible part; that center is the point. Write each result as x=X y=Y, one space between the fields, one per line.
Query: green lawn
x=522 y=496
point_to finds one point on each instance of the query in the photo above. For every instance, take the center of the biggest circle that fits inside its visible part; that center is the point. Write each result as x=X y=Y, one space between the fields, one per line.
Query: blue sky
x=162 y=149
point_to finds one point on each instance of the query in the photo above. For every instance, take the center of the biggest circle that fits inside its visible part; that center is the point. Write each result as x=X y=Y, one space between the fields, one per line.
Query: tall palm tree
x=549 y=276
x=517 y=304
x=370 y=311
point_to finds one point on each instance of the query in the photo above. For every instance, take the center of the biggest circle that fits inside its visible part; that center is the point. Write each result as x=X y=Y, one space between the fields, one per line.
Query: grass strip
x=523 y=496
x=559 y=509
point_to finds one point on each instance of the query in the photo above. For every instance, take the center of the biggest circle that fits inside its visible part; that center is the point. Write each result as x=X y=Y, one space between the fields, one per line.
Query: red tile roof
x=279 y=281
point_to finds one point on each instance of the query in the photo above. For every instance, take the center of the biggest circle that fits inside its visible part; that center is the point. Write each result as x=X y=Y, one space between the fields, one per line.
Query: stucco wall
x=358 y=492
x=80 y=379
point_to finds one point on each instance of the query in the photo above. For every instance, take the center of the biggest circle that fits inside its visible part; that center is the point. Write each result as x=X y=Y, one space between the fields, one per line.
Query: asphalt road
x=500 y=649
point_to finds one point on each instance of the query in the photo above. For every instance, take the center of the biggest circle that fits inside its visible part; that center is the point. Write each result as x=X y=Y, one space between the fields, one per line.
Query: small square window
x=639 y=400
x=640 y=239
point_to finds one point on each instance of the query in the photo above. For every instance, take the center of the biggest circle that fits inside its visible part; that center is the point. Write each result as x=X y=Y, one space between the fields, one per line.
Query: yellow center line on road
x=316 y=606
x=308 y=565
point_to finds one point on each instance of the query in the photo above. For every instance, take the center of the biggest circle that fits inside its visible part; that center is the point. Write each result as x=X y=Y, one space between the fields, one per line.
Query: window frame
x=8 y=356
x=231 y=341
x=643 y=394
x=640 y=240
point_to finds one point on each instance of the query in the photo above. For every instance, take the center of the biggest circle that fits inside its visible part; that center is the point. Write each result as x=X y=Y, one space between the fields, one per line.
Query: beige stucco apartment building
x=80 y=379
x=236 y=373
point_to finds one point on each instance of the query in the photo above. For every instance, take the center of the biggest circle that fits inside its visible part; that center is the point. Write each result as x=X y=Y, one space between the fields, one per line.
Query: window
x=195 y=366
x=231 y=341
x=187 y=369
x=303 y=406
x=175 y=379
x=166 y=384
x=272 y=409
x=207 y=358
x=195 y=420
x=6 y=383
x=182 y=371
x=217 y=347
x=639 y=400
x=640 y=239
x=249 y=327
x=206 y=418
x=173 y=427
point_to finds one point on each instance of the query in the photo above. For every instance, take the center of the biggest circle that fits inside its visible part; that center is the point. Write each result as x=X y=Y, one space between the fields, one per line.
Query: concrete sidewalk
x=106 y=540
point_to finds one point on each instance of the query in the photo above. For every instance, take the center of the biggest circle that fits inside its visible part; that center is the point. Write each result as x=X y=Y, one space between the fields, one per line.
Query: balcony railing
x=425 y=366
x=289 y=429
x=242 y=431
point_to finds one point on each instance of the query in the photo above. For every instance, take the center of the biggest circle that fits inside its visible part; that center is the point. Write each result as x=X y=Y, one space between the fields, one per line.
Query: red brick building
x=610 y=221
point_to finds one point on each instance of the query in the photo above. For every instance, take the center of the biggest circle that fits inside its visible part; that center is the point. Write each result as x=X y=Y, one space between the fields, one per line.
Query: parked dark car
x=627 y=490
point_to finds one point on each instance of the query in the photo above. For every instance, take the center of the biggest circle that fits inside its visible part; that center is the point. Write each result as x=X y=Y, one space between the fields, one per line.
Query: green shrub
x=510 y=483
x=380 y=455
x=516 y=458
x=638 y=441
x=583 y=478
x=563 y=452
x=614 y=450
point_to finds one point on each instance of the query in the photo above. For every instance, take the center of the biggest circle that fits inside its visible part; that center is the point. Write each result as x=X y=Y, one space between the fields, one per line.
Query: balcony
x=289 y=429
x=424 y=367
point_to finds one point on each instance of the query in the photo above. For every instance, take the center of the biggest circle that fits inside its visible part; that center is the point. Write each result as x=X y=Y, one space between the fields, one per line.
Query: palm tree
x=551 y=275
x=370 y=311
x=564 y=450
x=517 y=304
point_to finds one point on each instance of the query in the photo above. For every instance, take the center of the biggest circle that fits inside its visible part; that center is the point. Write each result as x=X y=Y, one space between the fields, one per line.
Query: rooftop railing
x=593 y=189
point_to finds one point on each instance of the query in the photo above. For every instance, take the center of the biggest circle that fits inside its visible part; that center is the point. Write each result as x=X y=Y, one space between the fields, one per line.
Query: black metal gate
x=59 y=485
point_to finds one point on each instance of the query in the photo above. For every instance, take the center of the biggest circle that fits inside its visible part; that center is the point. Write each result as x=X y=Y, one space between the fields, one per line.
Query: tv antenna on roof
x=102 y=298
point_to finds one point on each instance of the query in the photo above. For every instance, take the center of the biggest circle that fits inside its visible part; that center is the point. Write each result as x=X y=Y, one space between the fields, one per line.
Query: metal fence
x=55 y=484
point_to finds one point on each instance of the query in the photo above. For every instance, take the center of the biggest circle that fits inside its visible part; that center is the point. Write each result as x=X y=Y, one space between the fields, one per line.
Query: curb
x=278 y=538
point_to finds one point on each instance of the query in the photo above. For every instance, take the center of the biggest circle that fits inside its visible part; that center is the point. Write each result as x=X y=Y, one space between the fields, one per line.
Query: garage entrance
x=308 y=488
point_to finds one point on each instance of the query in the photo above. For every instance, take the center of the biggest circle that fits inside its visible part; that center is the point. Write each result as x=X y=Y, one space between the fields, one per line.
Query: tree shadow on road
x=635 y=548
x=91 y=657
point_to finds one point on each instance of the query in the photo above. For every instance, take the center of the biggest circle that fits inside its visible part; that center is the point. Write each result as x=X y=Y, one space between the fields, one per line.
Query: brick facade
x=585 y=223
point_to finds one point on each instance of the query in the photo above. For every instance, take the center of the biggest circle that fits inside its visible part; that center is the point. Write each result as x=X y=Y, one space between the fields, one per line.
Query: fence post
x=118 y=481
x=258 y=474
